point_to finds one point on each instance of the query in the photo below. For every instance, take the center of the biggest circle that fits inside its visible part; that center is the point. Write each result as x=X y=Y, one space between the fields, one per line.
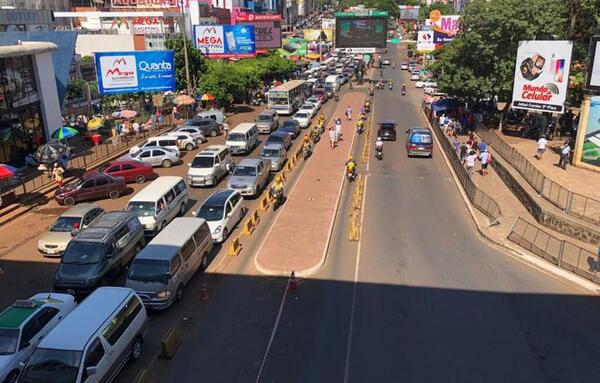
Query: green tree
x=425 y=10
x=197 y=65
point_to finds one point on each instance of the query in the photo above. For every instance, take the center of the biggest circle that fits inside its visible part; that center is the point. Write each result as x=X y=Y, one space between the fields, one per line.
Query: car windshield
x=289 y=124
x=66 y=224
x=137 y=153
x=277 y=139
x=83 y=253
x=387 y=126
x=142 y=209
x=302 y=115
x=270 y=153
x=420 y=138
x=211 y=213
x=233 y=136
x=8 y=340
x=245 y=171
x=203 y=162
x=149 y=270
x=52 y=366
x=306 y=106
x=264 y=118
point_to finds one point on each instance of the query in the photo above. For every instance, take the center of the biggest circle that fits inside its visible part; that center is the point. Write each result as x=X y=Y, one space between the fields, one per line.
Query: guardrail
x=572 y=203
x=561 y=253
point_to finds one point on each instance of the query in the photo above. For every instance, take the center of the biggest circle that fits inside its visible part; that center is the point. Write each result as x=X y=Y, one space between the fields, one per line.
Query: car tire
x=69 y=201
x=136 y=349
x=179 y=293
x=189 y=147
x=204 y=263
x=225 y=234
x=199 y=141
x=140 y=179
x=114 y=194
x=213 y=133
x=182 y=210
x=12 y=377
x=166 y=163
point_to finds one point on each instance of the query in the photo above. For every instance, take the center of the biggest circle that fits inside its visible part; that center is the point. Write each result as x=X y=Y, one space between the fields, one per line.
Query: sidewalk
x=299 y=237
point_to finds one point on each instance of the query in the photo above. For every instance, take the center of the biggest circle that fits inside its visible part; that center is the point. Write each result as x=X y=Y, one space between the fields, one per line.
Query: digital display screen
x=360 y=32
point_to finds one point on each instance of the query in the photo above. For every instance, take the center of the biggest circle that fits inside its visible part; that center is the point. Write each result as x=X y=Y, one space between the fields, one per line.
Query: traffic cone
x=203 y=292
x=293 y=282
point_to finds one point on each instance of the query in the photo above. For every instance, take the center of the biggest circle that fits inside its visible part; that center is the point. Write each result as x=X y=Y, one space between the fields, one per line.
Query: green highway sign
x=363 y=14
x=395 y=40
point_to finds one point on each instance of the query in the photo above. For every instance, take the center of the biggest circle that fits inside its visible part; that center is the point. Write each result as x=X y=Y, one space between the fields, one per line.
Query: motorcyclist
x=278 y=188
x=371 y=89
x=379 y=145
x=360 y=123
x=390 y=83
x=351 y=166
x=315 y=130
x=321 y=119
x=404 y=87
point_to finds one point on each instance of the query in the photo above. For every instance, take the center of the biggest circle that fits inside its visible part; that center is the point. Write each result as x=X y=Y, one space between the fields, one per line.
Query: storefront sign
x=318 y=34
x=135 y=71
x=268 y=33
x=144 y=4
x=593 y=77
x=223 y=41
x=147 y=25
x=542 y=75
x=409 y=12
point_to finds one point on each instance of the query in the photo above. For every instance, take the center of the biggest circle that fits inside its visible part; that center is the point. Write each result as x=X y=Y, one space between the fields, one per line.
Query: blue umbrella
x=64 y=132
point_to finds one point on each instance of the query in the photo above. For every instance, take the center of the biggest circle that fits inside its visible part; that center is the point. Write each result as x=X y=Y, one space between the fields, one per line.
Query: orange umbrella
x=184 y=99
x=207 y=97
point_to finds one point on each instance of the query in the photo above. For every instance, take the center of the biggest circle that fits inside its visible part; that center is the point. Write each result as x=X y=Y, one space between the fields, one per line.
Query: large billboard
x=267 y=33
x=318 y=35
x=409 y=12
x=224 y=41
x=445 y=28
x=425 y=42
x=590 y=153
x=144 y=4
x=593 y=77
x=135 y=71
x=542 y=75
x=360 y=32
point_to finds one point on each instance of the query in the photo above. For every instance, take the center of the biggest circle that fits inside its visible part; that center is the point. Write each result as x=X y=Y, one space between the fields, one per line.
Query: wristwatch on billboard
x=532 y=67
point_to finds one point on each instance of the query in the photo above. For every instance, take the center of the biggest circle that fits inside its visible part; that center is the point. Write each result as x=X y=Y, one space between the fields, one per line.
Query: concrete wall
x=86 y=45
x=46 y=85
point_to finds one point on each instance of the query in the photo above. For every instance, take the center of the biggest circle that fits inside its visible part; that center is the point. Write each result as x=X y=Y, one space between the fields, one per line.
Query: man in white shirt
x=470 y=161
x=541 y=147
x=484 y=157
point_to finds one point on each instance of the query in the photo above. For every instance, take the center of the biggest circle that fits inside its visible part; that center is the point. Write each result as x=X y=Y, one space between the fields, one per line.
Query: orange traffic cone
x=203 y=292
x=293 y=282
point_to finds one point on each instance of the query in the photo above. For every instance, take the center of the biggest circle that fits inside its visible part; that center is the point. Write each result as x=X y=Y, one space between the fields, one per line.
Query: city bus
x=288 y=97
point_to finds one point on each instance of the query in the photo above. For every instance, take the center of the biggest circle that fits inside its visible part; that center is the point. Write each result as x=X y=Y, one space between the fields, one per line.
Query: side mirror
x=229 y=215
x=407 y=131
x=91 y=371
x=194 y=213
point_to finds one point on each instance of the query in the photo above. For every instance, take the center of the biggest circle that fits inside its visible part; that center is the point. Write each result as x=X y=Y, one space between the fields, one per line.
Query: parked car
x=415 y=75
x=194 y=131
x=344 y=78
x=311 y=109
x=387 y=130
x=250 y=176
x=419 y=142
x=213 y=114
x=223 y=211
x=55 y=240
x=209 y=166
x=315 y=101
x=91 y=187
x=185 y=141
x=430 y=88
x=291 y=127
x=163 y=142
x=155 y=156
x=267 y=121
x=130 y=170
x=95 y=255
x=281 y=138
x=404 y=65
x=303 y=119
x=24 y=324
x=207 y=126
x=330 y=88
x=276 y=153
x=420 y=83
x=321 y=94
x=386 y=62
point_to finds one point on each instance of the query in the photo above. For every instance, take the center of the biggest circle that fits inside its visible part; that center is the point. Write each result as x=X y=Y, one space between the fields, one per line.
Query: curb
x=513 y=251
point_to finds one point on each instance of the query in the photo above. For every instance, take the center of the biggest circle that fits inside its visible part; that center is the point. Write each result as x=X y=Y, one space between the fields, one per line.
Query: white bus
x=288 y=97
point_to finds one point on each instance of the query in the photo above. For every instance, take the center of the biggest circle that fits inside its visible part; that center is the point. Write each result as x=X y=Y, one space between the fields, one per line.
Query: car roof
x=273 y=146
x=219 y=197
x=79 y=210
x=211 y=150
x=74 y=332
x=101 y=227
x=420 y=129
x=278 y=134
x=243 y=127
x=21 y=310
x=388 y=122
x=169 y=240
x=250 y=161
x=158 y=187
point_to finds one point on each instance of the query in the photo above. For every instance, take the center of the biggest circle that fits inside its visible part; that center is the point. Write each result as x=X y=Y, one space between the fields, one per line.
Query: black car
x=387 y=130
x=291 y=127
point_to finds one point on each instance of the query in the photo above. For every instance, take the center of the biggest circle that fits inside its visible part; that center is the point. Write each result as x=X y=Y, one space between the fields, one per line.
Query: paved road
x=425 y=301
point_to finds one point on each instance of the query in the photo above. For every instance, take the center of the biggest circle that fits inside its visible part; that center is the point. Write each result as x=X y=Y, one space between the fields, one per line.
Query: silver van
x=243 y=138
x=160 y=272
x=209 y=166
x=267 y=121
x=215 y=114
x=159 y=202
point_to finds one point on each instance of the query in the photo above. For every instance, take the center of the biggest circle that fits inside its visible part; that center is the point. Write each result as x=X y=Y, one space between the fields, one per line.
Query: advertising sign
x=268 y=33
x=363 y=13
x=355 y=50
x=444 y=27
x=409 y=12
x=591 y=143
x=223 y=41
x=327 y=23
x=144 y=3
x=318 y=34
x=542 y=75
x=593 y=77
x=135 y=71
x=425 y=42
x=251 y=17
x=147 y=25
x=360 y=32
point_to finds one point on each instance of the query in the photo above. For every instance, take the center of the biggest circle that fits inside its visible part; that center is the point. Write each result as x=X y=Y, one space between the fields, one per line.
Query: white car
x=303 y=118
x=222 y=211
x=24 y=324
x=309 y=108
x=430 y=88
x=404 y=66
x=420 y=84
x=185 y=141
x=415 y=76
x=195 y=132
x=314 y=100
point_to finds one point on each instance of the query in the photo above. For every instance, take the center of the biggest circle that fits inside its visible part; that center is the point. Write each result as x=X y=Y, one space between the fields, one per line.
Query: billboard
x=267 y=33
x=327 y=23
x=135 y=71
x=252 y=17
x=444 y=27
x=360 y=32
x=223 y=41
x=147 y=25
x=593 y=77
x=318 y=34
x=144 y=4
x=425 y=42
x=542 y=75
x=409 y=12
x=590 y=153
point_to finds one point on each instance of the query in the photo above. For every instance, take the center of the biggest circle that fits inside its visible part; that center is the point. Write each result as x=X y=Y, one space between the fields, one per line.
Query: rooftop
x=27 y=48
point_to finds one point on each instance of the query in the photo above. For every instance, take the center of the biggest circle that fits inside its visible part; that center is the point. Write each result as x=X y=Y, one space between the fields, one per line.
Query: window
x=235 y=198
x=188 y=249
x=117 y=326
x=122 y=236
x=157 y=153
x=88 y=184
x=102 y=182
x=94 y=355
x=228 y=208
x=180 y=187
x=113 y=169
x=175 y=265
x=201 y=235
x=134 y=225
x=128 y=167
x=146 y=154
x=170 y=196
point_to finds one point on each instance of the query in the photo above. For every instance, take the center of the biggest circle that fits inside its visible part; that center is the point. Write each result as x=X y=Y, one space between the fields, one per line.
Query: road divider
x=264 y=203
x=354 y=226
x=255 y=218
x=234 y=247
x=248 y=227
x=170 y=344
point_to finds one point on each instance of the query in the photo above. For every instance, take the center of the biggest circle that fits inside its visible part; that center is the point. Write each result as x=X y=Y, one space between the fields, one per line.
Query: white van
x=159 y=202
x=93 y=342
x=160 y=272
x=334 y=81
x=243 y=138
x=169 y=142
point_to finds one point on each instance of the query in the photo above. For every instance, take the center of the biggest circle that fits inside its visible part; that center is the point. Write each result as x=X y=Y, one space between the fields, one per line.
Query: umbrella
x=95 y=123
x=64 y=132
x=207 y=97
x=7 y=171
x=50 y=152
x=184 y=99
x=128 y=113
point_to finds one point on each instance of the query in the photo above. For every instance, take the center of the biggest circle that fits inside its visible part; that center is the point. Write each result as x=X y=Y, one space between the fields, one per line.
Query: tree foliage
x=391 y=6
x=197 y=65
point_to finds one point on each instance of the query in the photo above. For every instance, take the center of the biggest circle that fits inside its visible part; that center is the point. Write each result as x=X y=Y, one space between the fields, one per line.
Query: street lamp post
x=185 y=51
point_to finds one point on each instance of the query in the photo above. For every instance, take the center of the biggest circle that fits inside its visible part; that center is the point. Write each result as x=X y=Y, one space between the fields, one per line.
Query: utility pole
x=185 y=51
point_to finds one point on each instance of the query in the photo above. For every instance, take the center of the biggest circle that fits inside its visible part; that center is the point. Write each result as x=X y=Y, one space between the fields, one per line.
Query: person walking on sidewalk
x=541 y=147
x=332 y=135
x=470 y=161
x=338 y=130
x=349 y=113
x=565 y=154
x=485 y=158
x=59 y=175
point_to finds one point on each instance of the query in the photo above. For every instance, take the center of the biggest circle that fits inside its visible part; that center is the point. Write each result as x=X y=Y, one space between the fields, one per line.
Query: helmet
x=350 y=157
x=378 y=138
x=278 y=179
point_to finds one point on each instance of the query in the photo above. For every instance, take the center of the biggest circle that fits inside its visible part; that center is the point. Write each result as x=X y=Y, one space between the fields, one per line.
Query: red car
x=321 y=94
x=91 y=187
x=130 y=170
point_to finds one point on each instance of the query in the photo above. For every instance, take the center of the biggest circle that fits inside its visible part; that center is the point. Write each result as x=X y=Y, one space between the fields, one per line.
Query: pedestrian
x=485 y=158
x=349 y=113
x=482 y=147
x=225 y=128
x=331 y=133
x=565 y=154
x=174 y=112
x=442 y=121
x=59 y=175
x=541 y=147
x=470 y=161
x=136 y=128
x=338 y=130
x=154 y=120
x=456 y=145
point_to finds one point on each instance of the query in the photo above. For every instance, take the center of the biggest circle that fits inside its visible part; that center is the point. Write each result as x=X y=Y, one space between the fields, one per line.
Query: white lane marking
x=273 y=332
x=354 y=286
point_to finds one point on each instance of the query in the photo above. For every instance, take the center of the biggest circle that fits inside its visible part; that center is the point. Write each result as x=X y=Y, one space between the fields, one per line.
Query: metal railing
x=478 y=198
x=572 y=203
x=561 y=253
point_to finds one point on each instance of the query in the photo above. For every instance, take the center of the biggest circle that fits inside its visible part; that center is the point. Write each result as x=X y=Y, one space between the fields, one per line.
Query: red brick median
x=299 y=236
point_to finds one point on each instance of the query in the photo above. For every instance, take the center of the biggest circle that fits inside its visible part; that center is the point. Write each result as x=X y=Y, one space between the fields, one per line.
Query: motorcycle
x=306 y=151
x=367 y=107
x=391 y=85
x=336 y=97
x=380 y=85
x=359 y=128
x=315 y=136
x=379 y=153
x=350 y=175
x=371 y=92
x=277 y=196
x=403 y=92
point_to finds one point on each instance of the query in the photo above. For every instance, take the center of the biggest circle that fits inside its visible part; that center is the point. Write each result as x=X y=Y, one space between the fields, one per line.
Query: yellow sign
x=318 y=34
